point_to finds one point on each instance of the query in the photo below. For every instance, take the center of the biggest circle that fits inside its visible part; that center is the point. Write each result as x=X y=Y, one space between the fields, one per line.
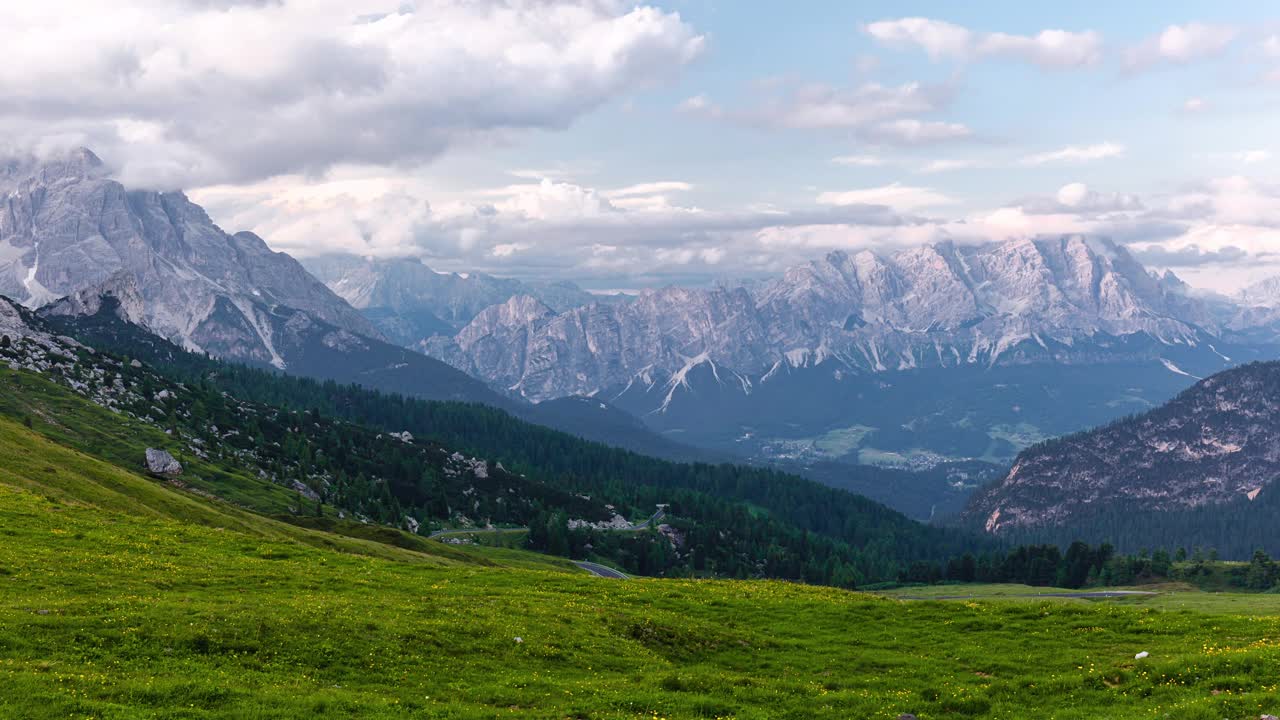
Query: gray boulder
x=162 y=463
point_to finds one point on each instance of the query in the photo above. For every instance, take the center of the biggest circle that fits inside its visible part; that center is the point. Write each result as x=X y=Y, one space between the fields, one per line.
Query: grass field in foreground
x=118 y=599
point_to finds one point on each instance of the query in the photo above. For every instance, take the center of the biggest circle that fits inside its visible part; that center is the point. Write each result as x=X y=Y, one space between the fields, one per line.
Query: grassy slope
x=69 y=419
x=67 y=477
x=159 y=606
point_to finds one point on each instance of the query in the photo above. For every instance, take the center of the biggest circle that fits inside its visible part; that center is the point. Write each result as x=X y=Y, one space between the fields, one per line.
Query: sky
x=625 y=145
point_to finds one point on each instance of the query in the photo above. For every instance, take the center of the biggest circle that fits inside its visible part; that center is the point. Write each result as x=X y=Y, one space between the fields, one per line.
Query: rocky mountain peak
x=69 y=229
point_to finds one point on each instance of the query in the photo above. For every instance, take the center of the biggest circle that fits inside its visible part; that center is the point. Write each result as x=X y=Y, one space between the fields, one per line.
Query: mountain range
x=943 y=358
x=930 y=354
x=409 y=302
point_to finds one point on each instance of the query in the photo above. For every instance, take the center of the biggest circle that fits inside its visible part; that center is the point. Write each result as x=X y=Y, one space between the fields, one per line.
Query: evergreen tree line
x=740 y=521
x=1084 y=565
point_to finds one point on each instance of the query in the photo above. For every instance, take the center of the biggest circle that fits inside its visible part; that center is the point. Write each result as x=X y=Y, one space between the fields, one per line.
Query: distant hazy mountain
x=67 y=228
x=1255 y=312
x=935 y=353
x=1200 y=470
x=410 y=302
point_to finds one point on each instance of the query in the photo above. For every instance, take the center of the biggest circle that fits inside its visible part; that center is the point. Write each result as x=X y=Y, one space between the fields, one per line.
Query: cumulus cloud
x=941 y=39
x=306 y=86
x=1074 y=154
x=1181 y=44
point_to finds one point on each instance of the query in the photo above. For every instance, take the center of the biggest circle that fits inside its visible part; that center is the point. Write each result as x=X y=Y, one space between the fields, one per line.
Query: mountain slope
x=1212 y=453
x=730 y=516
x=67 y=227
x=410 y=302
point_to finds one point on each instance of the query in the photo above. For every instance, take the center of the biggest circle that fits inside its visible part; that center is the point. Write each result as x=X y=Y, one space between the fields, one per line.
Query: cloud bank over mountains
x=320 y=126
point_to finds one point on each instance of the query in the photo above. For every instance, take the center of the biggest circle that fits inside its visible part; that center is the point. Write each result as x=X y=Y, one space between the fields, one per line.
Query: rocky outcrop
x=121 y=288
x=68 y=229
x=162 y=464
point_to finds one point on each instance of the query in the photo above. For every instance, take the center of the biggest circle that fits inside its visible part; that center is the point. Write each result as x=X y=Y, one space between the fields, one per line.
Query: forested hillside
x=1199 y=470
x=724 y=520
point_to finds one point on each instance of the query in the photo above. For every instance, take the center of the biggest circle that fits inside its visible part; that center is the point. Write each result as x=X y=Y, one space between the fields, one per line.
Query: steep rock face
x=66 y=227
x=934 y=306
x=525 y=346
x=1215 y=443
x=411 y=302
x=120 y=291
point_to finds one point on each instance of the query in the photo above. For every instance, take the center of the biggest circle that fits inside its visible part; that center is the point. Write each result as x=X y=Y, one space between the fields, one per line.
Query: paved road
x=601 y=571
x=1096 y=594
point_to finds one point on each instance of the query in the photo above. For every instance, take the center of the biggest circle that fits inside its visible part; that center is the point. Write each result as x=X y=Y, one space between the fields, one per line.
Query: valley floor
x=114 y=615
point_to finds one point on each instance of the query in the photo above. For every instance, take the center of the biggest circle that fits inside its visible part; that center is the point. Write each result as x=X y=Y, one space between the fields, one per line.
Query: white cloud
x=305 y=86
x=940 y=166
x=699 y=105
x=1181 y=44
x=910 y=131
x=897 y=196
x=936 y=37
x=649 y=188
x=1271 y=46
x=939 y=39
x=1194 y=105
x=823 y=107
x=1075 y=154
x=858 y=160
x=1073 y=194
x=1253 y=157
x=1048 y=48
x=873 y=111
x=1211 y=233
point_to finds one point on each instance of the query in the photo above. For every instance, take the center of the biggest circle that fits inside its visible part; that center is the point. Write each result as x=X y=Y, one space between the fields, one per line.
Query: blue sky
x=1012 y=107
x=631 y=145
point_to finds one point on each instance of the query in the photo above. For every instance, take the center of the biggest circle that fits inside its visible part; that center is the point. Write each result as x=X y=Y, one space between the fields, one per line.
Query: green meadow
x=121 y=597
